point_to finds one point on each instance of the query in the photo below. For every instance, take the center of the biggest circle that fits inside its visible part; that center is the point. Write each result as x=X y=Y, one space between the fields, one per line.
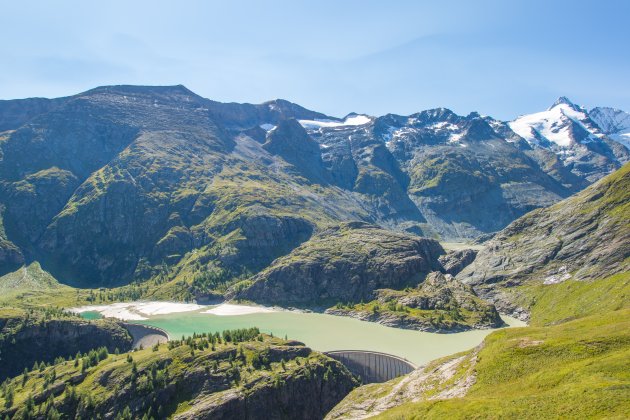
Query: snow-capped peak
x=564 y=124
x=614 y=122
x=563 y=100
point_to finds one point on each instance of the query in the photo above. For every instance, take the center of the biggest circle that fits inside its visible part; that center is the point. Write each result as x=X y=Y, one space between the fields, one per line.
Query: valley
x=323 y=332
x=494 y=255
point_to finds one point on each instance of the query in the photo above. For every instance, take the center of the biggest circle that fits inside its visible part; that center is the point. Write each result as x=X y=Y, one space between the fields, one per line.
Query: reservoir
x=320 y=332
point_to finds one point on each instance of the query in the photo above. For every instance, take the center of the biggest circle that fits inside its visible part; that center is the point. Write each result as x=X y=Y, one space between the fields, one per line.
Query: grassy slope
x=577 y=369
x=230 y=365
x=556 y=303
x=573 y=361
x=30 y=286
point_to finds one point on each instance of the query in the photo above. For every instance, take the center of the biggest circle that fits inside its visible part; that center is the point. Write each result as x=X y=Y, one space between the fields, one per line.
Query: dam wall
x=145 y=336
x=372 y=367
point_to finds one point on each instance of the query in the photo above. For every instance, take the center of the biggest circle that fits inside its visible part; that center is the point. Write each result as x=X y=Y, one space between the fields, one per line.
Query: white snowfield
x=614 y=122
x=349 y=121
x=554 y=124
x=143 y=310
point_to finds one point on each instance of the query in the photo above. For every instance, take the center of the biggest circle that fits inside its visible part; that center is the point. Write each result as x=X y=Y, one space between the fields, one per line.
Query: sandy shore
x=138 y=311
x=143 y=310
x=229 y=309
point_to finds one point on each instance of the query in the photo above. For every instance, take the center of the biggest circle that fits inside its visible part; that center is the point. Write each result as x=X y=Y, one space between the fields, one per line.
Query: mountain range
x=133 y=192
x=133 y=183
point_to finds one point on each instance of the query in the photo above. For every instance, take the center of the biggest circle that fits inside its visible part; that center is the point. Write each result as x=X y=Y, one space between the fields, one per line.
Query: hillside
x=572 y=358
x=570 y=361
x=345 y=263
x=576 y=369
x=583 y=238
x=439 y=304
x=44 y=335
x=124 y=184
x=237 y=374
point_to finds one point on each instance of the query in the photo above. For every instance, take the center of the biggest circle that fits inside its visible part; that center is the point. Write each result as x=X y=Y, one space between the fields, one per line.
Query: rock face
x=139 y=183
x=290 y=141
x=298 y=397
x=439 y=304
x=345 y=263
x=26 y=338
x=456 y=261
x=585 y=237
x=14 y=113
x=11 y=257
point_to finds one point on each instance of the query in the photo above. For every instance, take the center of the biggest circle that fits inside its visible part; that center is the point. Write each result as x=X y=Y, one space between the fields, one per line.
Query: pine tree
x=8 y=397
x=24 y=376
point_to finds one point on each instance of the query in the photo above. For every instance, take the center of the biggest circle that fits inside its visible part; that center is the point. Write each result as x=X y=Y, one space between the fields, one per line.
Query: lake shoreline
x=319 y=331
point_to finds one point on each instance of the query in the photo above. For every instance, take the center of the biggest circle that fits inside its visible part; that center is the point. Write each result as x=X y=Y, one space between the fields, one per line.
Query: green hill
x=237 y=374
x=572 y=361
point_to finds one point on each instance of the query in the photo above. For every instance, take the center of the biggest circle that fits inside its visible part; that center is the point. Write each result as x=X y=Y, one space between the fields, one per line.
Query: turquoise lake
x=328 y=332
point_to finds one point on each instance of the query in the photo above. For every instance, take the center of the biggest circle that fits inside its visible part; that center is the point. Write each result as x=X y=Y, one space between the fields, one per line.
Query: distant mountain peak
x=563 y=100
x=144 y=89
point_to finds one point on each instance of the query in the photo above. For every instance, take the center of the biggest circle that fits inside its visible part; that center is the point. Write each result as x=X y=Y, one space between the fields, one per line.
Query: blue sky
x=501 y=58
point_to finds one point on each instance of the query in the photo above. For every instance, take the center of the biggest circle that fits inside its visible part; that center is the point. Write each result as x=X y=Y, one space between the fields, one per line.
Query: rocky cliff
x=27 y=337
x=455 y=261
x=585 y=237
x=440 y=304
x=345 y=263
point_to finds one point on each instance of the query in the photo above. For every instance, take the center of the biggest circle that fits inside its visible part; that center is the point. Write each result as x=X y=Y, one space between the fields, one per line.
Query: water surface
x=328 y=332
x=91 y=315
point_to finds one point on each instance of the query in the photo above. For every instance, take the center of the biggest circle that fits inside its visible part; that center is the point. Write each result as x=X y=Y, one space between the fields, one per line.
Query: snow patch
x=267 y=126
x=554 y=125
x=614 y=122
x=323 y=123
x=545 y=123
x=455 y=137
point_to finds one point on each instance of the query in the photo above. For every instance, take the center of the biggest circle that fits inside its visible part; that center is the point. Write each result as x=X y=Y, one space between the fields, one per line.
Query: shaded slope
x=345 y=263
x=39 y=336
x=584 y=237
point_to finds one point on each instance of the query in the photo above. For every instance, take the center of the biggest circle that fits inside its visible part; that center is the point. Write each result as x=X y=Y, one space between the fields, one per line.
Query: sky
x=496 y=57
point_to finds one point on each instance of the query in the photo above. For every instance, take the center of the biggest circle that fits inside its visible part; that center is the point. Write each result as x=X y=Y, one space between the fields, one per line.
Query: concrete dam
x=145 y=336
x=371 y=366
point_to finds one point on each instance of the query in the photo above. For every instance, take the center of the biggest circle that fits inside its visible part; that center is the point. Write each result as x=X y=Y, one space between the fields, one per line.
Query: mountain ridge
x=108 y=186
